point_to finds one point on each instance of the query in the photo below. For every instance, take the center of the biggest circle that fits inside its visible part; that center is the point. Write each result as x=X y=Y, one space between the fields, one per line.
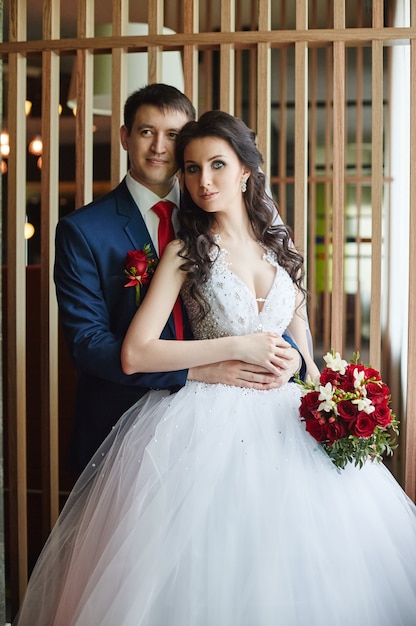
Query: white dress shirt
x=146 y=199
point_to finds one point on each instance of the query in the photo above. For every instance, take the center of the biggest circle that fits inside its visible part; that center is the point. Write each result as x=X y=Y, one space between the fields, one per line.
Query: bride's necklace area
x=219 y=241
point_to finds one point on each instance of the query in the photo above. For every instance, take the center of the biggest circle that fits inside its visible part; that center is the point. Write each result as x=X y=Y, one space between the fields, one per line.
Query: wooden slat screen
x=298 y=73
x=338 y=194
x=376 y=188
x=49 y=312
x=410 y=421
x=15 y=364
x=118 y=92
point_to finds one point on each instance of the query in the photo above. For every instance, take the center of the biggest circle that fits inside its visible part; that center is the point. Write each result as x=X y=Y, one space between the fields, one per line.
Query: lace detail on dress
x=233 y=308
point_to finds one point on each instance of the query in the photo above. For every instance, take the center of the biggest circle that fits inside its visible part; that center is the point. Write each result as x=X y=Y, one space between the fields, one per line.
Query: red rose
x=335 y=430
x=316 y=429
x=377 y=392
x=137 y=260
x=329 y=376
x=364 y=425
x=309 y=403
x=138 y=266
x=349 y=378
x=370 y=372
x=347 y=411
x=382 y=415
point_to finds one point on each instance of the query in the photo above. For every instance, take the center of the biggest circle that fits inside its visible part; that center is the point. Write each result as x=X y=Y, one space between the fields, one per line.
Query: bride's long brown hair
x=196 y=225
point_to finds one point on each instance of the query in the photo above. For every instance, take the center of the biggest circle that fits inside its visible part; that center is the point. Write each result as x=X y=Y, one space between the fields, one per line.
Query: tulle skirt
x=214 y=507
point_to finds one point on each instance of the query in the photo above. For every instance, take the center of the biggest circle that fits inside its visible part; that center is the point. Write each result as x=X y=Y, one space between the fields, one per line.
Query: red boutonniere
x=347 y=411
x=139 y=266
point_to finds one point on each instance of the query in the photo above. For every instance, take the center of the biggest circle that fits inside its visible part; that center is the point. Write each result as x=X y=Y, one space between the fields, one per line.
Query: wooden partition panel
x=338 y=193
x=312 y=78
x=410 y=421
x=15 y=362
x=49 y=312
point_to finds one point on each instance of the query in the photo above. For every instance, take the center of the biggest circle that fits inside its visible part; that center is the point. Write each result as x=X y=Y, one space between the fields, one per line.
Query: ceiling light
x=4 y=144
x=29 y=230
x=36 y=146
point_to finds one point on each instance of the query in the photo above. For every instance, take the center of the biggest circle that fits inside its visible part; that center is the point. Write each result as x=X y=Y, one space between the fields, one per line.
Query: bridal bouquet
x=346 y=409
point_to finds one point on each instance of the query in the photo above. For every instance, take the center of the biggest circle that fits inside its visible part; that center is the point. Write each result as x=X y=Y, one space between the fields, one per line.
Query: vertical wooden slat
x=328 y=198
x=395 y=375
x=49 y=312
x=283 y=140
x=16 y=308
x=301 y=135
x=238 y=67
x=252 y=88
x=155 y=19
x=83 y=120
x=358 y=187
x=227 y=73
x=207 y=65
x=264 y=87
x=118 y=92
x=359 y=69
x=376 y=188
x=313 y=131
x=338 y=313
x=190 y=52
x=410 y=421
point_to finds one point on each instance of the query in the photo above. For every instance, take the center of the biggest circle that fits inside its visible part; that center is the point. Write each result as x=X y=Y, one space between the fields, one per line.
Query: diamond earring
x=243 y=185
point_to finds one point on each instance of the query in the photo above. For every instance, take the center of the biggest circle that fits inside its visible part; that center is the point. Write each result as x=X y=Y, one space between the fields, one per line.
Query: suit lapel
x=136 y=229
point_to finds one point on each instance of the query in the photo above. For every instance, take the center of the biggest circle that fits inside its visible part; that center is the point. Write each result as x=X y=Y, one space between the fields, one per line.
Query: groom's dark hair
x=164 y=97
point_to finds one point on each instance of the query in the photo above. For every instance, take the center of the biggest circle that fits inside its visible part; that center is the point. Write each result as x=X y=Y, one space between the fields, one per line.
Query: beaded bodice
x=234 y=309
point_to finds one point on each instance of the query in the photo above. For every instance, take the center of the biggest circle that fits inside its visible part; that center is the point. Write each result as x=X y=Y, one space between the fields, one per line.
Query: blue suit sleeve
x=93 y=335
x=302 y=371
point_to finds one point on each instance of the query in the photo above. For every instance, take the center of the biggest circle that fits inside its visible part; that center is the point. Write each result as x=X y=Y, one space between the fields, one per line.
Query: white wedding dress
x=214 y=507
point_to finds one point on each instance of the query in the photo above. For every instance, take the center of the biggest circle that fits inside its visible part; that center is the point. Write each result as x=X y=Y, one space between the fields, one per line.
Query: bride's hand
x=267 y=350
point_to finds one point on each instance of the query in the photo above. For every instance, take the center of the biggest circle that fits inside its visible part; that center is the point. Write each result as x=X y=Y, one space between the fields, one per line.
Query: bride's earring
x=243 y=185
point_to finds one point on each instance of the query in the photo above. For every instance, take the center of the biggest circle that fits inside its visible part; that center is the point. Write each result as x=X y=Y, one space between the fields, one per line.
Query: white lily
x=359 y=378
x=312 y=382
x=325 y=394
x=364 y=404
x=335 y=363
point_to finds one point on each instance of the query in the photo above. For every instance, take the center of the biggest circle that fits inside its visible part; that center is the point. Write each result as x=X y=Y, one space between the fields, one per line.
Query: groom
x=95 y=307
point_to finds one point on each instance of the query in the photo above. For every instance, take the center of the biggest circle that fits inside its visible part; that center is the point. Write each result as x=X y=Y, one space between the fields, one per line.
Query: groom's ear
x=124 y=134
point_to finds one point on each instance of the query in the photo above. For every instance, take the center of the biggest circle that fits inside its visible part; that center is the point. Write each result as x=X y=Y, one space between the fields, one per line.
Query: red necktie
x=164 y=210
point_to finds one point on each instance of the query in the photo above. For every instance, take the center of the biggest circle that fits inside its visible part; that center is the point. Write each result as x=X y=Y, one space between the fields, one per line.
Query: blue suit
x=96 y=310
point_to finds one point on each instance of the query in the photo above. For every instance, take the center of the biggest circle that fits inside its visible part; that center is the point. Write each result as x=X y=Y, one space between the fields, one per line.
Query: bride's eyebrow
x=217 y=156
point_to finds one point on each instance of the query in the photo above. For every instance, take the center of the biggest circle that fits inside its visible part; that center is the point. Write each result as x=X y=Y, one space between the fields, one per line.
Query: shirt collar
x=145 y=198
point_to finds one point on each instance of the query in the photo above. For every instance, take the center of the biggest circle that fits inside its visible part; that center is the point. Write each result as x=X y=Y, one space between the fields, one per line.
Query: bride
x=213 y=506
